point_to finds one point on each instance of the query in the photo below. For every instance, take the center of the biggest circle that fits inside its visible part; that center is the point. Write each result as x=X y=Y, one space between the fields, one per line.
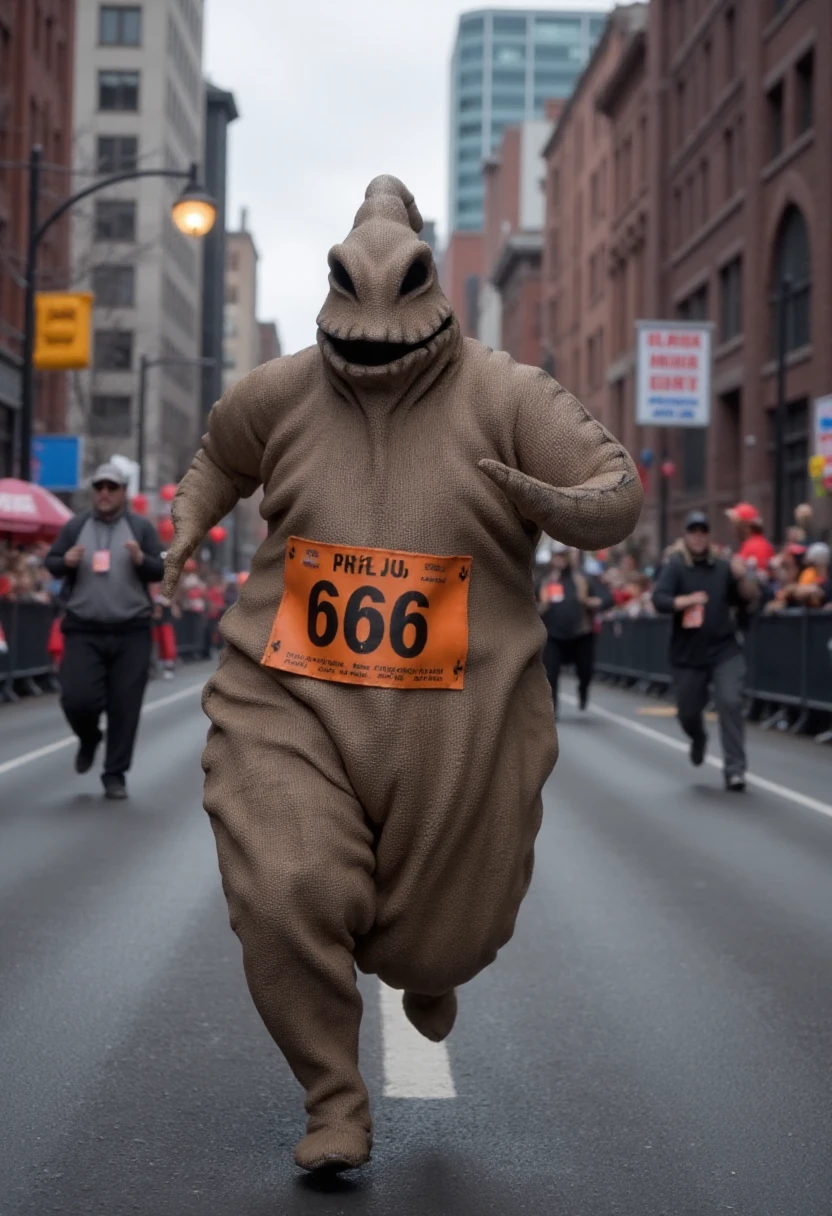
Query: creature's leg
x=296 y=858
x=454 y=858
x=553 y=657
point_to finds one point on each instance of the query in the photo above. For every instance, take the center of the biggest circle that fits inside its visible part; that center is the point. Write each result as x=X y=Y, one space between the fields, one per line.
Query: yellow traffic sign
x=62 y=330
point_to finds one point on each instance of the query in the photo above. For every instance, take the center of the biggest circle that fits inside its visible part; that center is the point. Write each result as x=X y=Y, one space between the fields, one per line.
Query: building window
x=705 y=189
x=118 y=91
x=795 y=453
x=805 y=93
x=730 y=45
x=472 y=297
x=565 y=30
x=695 y=307
x=120 y=26
x=231 y=295
x=115 y=220
x=110 y=415
x=117 y=153
x=775 y=120
x=680 y=111
x=507 y=53
x=730 y=169
x=792 y=262
x=707 y=100
x=694 y=457
x=513 y=26
x=730 y=300
x=114 y=350
x=114 y=286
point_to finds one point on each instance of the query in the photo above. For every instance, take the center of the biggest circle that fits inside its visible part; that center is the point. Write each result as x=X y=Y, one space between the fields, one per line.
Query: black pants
x=106 y=673
x=579 y=651
x=692 y=685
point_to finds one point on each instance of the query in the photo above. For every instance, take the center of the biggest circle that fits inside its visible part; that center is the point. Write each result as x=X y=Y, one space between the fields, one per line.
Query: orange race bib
x=380 y=617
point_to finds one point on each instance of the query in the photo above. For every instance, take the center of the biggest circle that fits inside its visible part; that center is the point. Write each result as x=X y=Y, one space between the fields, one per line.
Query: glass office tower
x=506 y=64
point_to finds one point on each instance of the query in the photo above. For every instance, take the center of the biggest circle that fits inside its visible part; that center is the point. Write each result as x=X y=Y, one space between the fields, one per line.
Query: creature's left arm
x=224 y=470
x=572 y=478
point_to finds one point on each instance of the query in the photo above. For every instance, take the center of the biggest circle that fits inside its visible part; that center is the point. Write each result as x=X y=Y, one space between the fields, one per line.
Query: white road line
x=761 y=783
x=40 y=752
x=413 y=1066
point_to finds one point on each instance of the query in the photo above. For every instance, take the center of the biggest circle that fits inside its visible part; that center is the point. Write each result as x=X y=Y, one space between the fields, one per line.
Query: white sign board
x=673 y=373
x=823 y=429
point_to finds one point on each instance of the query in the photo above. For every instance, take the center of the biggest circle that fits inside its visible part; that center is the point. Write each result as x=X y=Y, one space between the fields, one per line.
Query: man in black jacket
x=107 y=558
x=703 y=592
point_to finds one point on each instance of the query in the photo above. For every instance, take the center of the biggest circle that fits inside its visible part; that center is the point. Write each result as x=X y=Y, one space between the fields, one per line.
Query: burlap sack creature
x=388 y=827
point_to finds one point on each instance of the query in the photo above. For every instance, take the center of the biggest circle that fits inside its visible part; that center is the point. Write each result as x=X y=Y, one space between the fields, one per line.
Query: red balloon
x=168 y=492
x=668 y=468
x=166 y=530
x=218 y=534
x=140 y=504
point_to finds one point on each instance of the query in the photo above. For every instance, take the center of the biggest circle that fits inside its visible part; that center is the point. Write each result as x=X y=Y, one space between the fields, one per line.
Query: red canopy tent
x=29 y=510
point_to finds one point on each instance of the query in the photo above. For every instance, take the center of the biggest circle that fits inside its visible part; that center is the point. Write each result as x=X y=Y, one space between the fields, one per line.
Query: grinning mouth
x=366 y=353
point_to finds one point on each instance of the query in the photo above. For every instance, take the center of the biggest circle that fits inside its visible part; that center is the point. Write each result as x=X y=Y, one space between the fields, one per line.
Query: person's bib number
x=381 y=617
x=101 y=561
x=555 y=592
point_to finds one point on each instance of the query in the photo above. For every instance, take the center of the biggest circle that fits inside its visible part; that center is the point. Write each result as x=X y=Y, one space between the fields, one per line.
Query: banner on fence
x=673 y=373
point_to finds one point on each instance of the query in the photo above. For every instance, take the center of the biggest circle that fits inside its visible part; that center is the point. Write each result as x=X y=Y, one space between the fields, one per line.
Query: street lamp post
x=193 y=213
x=144 y=364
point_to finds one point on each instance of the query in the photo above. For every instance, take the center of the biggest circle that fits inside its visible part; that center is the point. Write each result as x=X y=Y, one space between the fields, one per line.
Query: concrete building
x=36 y=94
x=582 y=342
x=506 y=64
x=722 y=131
x=241 y=350
x=269 y=341
x=220 y=112
x=139 y=100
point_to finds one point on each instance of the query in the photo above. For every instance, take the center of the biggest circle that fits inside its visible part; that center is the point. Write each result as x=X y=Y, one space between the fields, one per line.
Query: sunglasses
x=112 y=486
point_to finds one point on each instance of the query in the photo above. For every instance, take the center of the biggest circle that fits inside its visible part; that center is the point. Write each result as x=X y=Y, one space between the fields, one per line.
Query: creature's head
x=385 y=309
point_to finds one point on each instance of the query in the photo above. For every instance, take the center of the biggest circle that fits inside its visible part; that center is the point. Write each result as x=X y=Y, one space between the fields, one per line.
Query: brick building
x=36 y=84
x=580 y=340
x=721 y=134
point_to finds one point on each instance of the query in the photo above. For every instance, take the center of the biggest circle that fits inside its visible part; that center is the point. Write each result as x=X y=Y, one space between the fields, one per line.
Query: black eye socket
x=417 y=276
x=342 y=278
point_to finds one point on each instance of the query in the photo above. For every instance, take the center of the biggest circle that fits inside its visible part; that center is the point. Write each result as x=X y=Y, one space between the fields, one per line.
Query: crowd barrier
x=26 y=664
x=788 y=657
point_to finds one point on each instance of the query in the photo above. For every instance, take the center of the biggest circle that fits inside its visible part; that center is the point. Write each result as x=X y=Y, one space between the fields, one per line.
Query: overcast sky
x=331 y=93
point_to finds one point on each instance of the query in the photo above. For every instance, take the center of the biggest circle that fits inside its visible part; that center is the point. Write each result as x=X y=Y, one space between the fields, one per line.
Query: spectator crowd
x=797 y=575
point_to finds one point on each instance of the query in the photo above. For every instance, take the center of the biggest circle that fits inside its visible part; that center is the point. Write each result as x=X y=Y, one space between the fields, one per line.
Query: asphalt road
x=657 y=1039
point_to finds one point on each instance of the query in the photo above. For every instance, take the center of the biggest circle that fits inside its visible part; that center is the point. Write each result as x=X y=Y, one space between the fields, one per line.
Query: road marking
x=761 y=783
x=413 y=1066
x=40 y=752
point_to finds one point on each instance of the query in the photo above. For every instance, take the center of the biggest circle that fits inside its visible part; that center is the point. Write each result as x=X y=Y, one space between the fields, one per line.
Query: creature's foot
x=334 y=1149
x=433 y=1016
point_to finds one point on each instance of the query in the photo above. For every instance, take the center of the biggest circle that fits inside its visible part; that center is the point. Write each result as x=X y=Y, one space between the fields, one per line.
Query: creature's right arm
x=226 y=469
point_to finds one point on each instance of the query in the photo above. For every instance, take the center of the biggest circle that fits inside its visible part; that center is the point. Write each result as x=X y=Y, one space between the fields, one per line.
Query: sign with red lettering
x=673 y=373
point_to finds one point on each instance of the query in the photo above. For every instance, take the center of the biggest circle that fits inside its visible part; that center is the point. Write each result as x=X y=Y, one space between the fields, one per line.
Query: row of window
x=181 y=56
x=179 y=120
x=699 y=84
x=178 y=307
x=546 y=28
x=693 y=199
x=120 y=25
x=795 y=89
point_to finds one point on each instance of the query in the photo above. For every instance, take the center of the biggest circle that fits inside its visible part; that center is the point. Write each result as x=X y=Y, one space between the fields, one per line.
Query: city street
x=655 y=1041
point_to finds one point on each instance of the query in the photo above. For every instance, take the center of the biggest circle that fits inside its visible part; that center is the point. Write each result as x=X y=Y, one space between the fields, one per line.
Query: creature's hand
x=528 y=495
x=175 y=558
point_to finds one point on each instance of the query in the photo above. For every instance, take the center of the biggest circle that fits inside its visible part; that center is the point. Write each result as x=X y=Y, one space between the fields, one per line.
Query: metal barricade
x=788 y=656
x=26 y=628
